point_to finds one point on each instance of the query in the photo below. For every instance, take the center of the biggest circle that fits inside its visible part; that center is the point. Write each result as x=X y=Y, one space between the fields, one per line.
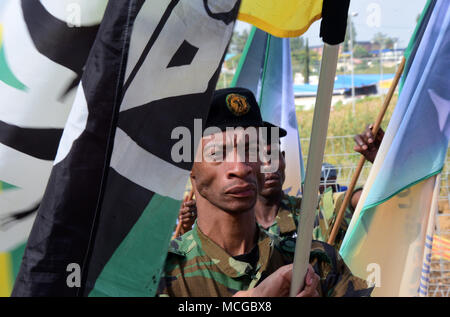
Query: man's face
x=273 y=182
x=226 y=176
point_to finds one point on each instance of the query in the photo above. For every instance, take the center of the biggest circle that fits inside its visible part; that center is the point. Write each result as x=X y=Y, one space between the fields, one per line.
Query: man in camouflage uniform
x=330 y=202
x=277 y=213
x=226 y=253
x=332 y=197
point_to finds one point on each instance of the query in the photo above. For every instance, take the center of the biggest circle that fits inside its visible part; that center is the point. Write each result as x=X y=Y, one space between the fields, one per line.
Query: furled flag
x=283 y=18
x=116 y=186
x=387 y=238
x=43 y=48
x=265 y=68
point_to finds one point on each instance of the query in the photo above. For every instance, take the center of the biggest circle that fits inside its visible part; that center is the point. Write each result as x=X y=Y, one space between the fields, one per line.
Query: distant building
x=317 y=48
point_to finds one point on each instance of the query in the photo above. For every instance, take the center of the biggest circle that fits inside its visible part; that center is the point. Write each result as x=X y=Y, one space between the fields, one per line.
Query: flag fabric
x=388 y=230
x=414 y=42
x=428 y=245
x=285 y=18
x=292 y=18
x=11 y=259
x=41 y=61
x=115 y=188
x=265 y=69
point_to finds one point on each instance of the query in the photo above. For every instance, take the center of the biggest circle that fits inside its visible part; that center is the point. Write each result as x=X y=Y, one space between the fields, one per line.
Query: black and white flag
x=114 y=192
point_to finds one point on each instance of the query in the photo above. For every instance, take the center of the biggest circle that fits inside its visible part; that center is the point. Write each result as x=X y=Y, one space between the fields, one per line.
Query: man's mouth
x=241 y=191
x=271 y=180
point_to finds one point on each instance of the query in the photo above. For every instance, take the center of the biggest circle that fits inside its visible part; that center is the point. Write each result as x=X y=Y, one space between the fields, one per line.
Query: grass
x=342 y=123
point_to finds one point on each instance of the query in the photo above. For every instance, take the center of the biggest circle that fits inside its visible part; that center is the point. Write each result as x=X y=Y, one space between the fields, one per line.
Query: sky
x=395 y=18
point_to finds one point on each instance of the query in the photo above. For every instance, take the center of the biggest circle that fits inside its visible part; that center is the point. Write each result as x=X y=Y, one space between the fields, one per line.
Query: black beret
x=234 y=107
x=281 y=133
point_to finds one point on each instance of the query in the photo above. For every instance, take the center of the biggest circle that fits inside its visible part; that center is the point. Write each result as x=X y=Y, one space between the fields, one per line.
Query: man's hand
x=311 y=284
x=278 y=284
x=187 y=215
x=367 y=144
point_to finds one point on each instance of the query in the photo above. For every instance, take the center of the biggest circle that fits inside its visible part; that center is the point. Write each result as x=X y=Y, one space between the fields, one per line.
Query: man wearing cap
x=277 y=213
x=226 y=253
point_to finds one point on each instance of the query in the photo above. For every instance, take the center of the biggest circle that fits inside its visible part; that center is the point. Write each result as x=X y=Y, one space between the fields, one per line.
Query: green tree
x=307 y=64
x=384 y=40
x=297 y=43
x=301 y=64
x=238 y=41
x=360 y=52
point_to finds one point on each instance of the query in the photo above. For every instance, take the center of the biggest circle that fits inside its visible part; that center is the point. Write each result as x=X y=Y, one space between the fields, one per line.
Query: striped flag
x=387 y=237
x=43 y=49
x=114 y=191
x=428 y=249
x=265 y=68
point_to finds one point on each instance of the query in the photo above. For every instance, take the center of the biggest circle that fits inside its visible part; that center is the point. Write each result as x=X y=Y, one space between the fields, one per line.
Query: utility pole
x=353 y=14
x=307 y=62
x=381 y=69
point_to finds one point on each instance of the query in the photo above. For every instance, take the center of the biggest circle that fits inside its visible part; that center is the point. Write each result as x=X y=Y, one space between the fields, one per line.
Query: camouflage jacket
x=284 y=228
x=329 y=205
x=197 y=267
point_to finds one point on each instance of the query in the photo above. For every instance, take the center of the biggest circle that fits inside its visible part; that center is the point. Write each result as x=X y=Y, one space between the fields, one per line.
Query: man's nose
x=239 y=169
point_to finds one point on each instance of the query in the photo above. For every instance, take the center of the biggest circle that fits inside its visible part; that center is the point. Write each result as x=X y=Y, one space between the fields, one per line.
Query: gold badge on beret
x=237 y=104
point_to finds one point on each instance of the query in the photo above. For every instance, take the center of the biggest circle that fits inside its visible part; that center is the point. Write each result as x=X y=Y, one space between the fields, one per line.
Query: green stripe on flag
x=366 y=209
x=6 y=75
x=400 y=190
x=243 y=57
x=16 y=257
x=136 y=265
x=6 y=186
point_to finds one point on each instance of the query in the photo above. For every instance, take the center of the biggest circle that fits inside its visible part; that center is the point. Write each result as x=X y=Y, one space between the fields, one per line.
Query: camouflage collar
x=183 y=244
x=285 y=221
x=227 y=264
x=285 y=216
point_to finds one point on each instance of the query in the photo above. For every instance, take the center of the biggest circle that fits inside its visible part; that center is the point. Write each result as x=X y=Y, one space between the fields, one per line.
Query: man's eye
x=216 y=155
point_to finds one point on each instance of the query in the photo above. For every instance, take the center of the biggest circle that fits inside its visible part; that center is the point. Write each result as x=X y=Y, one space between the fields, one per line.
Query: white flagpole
x=314 y=166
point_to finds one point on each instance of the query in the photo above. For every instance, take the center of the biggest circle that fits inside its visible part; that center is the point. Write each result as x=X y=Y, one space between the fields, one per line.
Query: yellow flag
x=5 y=275
x=282 y=18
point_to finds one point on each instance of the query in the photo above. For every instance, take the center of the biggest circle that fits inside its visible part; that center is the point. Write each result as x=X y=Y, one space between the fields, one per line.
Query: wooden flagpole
x=376 y=127
x=314 y=166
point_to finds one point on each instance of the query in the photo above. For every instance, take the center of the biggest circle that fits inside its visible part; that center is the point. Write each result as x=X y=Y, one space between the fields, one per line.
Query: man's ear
x=193 y=183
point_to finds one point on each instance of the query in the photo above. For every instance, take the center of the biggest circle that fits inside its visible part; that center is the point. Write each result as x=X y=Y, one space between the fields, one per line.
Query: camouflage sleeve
x=357 y=189
x=336 y=279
